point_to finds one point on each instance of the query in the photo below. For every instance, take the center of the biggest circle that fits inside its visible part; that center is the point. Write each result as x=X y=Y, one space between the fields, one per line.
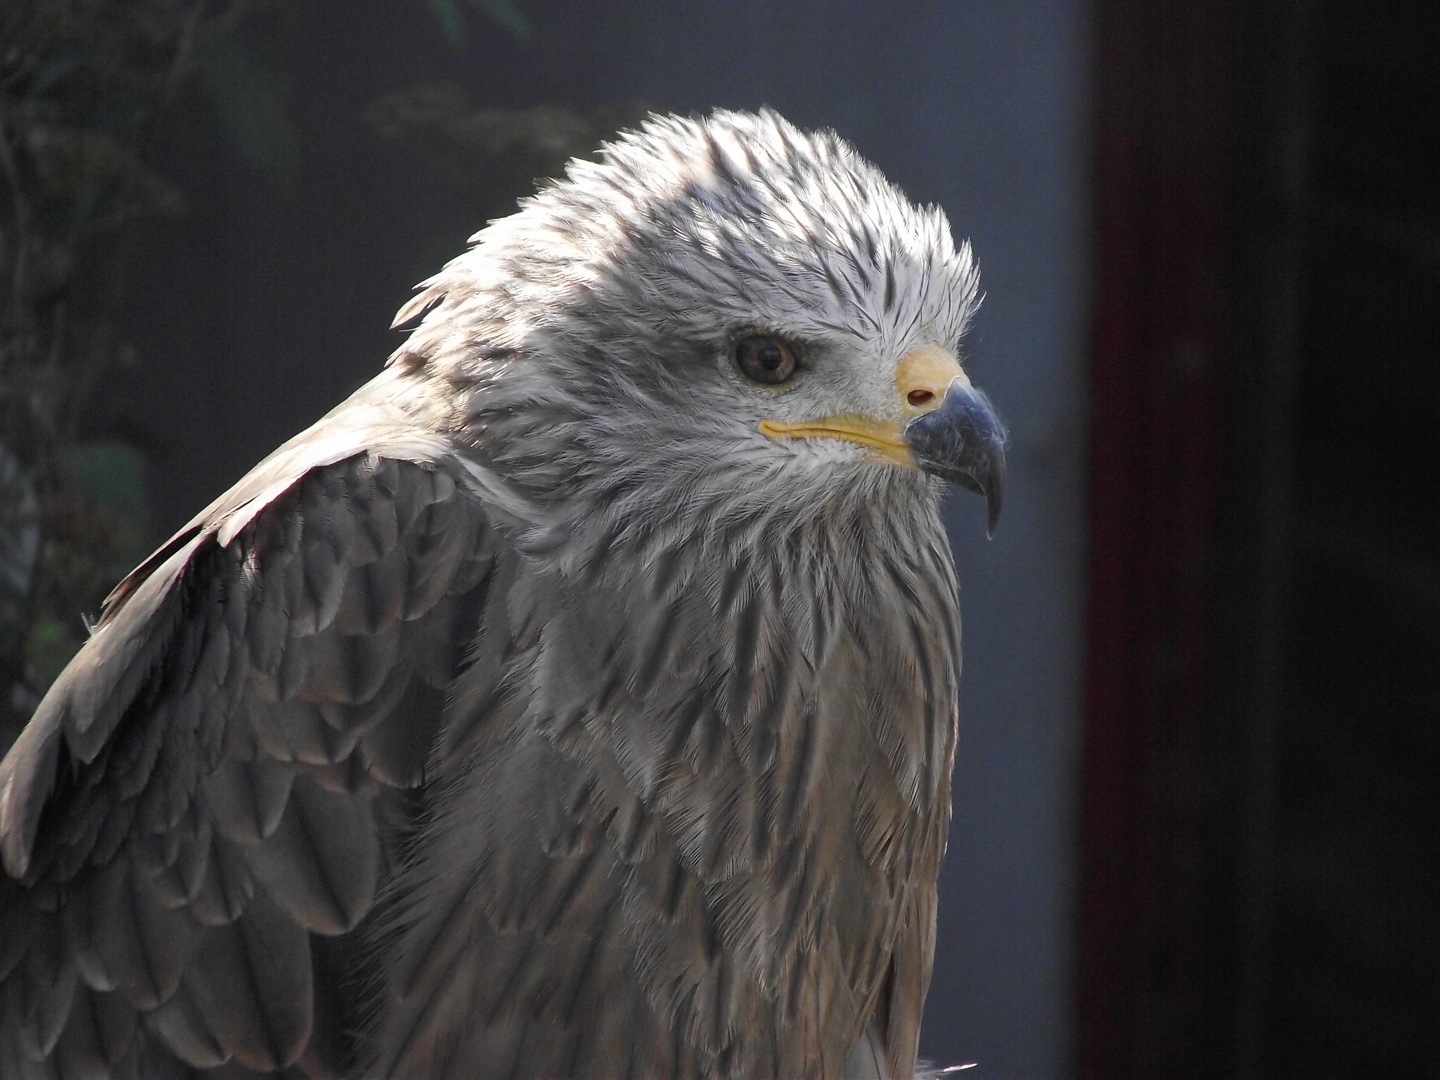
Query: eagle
x=577 y=699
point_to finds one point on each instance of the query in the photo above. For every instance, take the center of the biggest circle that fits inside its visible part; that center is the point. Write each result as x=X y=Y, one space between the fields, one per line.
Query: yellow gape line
x=921 y=378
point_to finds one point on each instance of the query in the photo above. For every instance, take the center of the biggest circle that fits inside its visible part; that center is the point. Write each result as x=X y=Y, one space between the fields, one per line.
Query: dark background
x=1195 y=796
x=1258 y=893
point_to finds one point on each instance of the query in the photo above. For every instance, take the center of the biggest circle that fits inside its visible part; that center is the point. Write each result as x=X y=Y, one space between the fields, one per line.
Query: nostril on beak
x=923 y=377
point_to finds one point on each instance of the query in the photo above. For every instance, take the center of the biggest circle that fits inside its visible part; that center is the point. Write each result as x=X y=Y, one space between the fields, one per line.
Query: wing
x=211 y=790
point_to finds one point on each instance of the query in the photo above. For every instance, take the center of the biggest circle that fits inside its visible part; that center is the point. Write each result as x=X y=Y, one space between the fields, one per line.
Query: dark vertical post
x=1158 y=448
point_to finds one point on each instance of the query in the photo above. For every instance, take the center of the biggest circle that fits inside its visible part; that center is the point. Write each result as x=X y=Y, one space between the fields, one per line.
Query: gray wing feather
x=198 y=794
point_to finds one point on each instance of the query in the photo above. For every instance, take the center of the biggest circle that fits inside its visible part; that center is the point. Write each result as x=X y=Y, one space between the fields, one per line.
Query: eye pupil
x=765 y=359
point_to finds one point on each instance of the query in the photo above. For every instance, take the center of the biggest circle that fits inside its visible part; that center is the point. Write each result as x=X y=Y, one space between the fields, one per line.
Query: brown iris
x=765 y=359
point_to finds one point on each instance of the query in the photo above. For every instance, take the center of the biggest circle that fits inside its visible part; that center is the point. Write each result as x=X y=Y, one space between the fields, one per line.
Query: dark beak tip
x=994 y=497
x=963 y=442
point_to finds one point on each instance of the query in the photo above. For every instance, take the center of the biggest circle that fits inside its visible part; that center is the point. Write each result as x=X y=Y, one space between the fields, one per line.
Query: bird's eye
x=765 y=359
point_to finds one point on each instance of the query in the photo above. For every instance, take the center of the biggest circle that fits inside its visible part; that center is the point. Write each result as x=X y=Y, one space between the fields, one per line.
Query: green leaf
x=507 y=13
x=48 y=647
x=56 y=70
x=48 y=633
x=452 y=23
x=112 y=473
x=249 y=102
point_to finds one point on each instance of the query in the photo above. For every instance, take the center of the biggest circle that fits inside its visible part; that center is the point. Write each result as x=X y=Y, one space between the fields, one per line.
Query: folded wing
x=209 y=793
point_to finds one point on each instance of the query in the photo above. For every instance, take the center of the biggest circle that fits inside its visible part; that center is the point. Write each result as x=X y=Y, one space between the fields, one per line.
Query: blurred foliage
x=82 y=85
x=246 y=92
x=451 y=17
x=464 y=141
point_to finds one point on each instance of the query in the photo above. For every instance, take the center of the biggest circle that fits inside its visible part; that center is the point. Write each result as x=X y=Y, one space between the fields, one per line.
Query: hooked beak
x=950 y=430
x=961 y=440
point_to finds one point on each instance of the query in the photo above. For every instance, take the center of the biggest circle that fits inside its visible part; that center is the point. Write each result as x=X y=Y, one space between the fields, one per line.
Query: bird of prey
x=576 y=699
